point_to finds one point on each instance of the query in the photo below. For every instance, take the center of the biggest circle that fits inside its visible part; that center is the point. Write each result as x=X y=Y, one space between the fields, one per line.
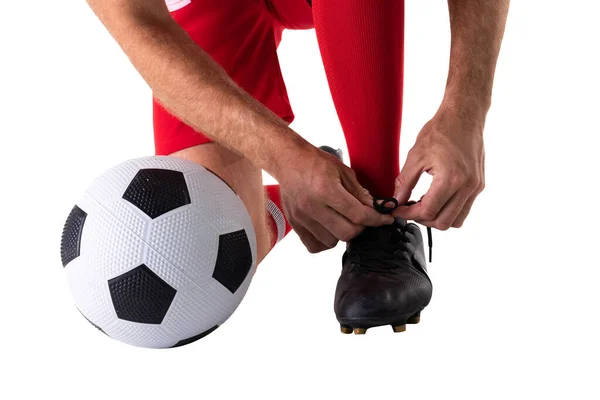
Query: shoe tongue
x=388 y=233
x=397 y=233
x=400 y=222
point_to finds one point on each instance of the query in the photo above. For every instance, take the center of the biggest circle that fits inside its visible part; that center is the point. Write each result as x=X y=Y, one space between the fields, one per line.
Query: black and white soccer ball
x=158 y=252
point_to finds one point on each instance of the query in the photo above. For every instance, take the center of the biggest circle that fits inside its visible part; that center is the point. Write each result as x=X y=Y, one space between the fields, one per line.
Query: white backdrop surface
x=515 y=306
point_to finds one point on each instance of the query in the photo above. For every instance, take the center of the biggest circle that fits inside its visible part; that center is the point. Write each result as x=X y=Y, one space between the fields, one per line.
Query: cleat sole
x=345 y=329
x=415 y=319
x=348 y=326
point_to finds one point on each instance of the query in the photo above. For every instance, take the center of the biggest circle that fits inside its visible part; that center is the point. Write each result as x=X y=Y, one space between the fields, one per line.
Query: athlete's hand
x=324 y=202
x=449 y=147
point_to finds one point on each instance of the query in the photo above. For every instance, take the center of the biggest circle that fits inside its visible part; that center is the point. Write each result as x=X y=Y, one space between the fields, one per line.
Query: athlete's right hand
x=324 y=202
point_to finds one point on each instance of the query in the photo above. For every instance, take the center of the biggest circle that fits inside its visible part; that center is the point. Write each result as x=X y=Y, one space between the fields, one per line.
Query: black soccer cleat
x=384 y=279
x=336 y=153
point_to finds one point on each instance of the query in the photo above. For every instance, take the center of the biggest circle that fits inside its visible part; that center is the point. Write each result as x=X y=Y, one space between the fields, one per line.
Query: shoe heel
x=346 y=329
x=415 y=319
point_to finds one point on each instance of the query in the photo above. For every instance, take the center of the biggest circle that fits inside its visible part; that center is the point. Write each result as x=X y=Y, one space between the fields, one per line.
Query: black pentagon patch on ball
x=194 y=338
x=141 y=296
x=234 y=260
x=70 y=242
x=157 y=191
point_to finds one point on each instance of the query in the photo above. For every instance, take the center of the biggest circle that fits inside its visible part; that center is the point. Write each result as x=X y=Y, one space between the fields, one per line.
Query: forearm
x=477 y=29
x=193 y=87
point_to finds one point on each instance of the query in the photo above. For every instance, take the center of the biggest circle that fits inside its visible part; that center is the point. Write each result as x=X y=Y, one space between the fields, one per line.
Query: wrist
x=468 y=92
x=470 y=109
x=287 y=155
x=465 y=118
x=468 y=97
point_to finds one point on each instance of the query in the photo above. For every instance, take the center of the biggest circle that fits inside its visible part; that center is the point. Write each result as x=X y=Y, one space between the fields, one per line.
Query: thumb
x=353 y=187
x=407 y=180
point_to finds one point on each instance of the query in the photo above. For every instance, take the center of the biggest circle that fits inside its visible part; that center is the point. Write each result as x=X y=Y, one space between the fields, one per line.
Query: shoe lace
x=380 y=204
x=383 y=255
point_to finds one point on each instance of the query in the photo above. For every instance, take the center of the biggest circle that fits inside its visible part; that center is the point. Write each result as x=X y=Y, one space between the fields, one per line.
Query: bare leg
x=244 y=178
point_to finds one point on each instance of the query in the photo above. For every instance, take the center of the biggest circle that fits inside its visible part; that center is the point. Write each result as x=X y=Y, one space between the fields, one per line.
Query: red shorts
x=242 y=36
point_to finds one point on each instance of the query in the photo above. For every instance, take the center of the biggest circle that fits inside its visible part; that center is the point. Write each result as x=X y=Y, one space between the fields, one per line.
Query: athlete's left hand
x=449 y=147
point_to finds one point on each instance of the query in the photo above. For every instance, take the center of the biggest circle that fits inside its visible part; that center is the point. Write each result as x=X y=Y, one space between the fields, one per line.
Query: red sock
x=278 y=224
x=362 y=46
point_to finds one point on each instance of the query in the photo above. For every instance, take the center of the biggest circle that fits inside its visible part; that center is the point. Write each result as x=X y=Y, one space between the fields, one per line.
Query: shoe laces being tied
x=396 y=244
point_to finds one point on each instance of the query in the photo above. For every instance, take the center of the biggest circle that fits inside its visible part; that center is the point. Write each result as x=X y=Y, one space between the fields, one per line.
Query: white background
x=515 y=307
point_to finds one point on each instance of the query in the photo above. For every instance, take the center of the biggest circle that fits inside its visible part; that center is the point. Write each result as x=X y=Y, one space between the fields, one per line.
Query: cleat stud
x=399 y=328
x=414 y=319
x=345 y=329
x=360 y=331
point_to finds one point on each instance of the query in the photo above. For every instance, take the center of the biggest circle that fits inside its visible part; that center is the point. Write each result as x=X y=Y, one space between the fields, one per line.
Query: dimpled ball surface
x=158 y=252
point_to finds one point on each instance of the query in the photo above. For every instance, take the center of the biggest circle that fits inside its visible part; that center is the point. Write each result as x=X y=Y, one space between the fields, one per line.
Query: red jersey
x=242 y=36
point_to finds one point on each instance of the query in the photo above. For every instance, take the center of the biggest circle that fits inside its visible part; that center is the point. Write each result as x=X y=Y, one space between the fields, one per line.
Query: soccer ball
x=158 y=252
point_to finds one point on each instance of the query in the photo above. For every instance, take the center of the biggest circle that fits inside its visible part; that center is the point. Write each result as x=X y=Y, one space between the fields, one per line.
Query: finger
x=309 y=240
x=449 y=211
x=339 y=225
x=318 y=231
x=352 y=186
x=357 y=213
x=408 y=178
x=432 y=202
x=460 y=219
x=406 y=211
x=386 y=205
